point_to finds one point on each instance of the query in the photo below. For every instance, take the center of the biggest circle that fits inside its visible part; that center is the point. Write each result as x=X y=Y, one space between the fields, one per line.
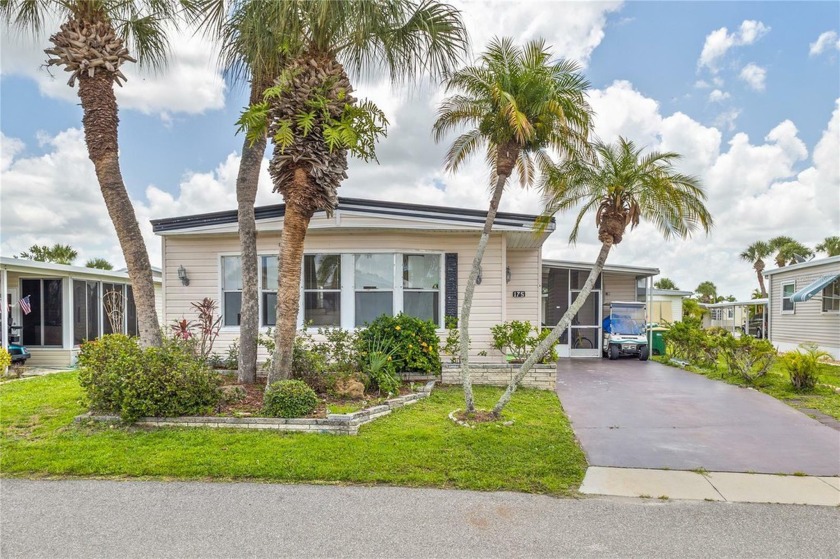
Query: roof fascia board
x=803 y=265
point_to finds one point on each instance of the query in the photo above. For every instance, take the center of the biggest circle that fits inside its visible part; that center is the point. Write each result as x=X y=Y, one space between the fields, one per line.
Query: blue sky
x=753 y=110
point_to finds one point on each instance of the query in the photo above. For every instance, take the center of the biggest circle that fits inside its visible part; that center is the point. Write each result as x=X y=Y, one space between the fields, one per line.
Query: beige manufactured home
x=805 y=305
x=372 y=257
x=66 y=305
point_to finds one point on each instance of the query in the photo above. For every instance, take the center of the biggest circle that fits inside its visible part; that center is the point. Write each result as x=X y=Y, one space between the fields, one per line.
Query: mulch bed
x=478 y=416
x=251 y=404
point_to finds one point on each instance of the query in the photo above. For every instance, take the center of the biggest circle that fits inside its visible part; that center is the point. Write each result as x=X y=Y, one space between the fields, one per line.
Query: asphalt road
x=85 y=518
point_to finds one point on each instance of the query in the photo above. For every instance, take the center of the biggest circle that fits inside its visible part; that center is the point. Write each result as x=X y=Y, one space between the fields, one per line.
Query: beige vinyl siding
x=200 y=256
x=808 y=323
x=50 y=357
x=618 y=287
x=526 y=275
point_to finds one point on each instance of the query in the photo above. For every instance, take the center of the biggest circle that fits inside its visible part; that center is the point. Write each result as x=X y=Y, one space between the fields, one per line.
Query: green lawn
x=414 y=446
x=777 y=384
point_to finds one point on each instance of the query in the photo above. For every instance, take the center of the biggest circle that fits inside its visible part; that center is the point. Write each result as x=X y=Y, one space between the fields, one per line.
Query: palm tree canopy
x=518 y=97
x=665 y=283
x=830 y=246
x=622 y=184
x=405 y=38
x=759 y=250
x=140 y=23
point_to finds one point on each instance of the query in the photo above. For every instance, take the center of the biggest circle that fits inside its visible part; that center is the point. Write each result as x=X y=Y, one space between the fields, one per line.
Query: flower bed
x=337 y=424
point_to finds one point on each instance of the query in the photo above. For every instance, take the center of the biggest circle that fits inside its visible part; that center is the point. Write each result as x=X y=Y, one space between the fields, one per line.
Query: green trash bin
x=657 y=340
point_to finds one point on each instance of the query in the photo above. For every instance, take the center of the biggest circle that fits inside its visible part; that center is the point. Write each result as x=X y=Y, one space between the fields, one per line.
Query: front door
x=585 y=330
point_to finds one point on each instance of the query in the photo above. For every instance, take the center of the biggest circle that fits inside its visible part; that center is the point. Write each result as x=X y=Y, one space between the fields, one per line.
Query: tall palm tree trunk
x=759 y=268
x=464 y=320
x=100 y=122
x=247 y=182
x=295 y=223
x=545 y=345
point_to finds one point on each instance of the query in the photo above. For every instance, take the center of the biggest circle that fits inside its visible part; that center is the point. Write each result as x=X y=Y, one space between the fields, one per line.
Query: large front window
x=231 y=289
x=268 y=294
x=421 y=286
x=374 y=287
x=43 y=326
x=831 y=297
x=322 y=290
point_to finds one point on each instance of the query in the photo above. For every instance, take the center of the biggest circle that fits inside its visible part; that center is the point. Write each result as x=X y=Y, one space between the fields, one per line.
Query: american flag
x=24 y=305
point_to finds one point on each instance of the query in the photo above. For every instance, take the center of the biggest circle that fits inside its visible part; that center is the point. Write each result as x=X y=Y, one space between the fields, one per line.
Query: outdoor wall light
x=507 y=274
x=182 y=275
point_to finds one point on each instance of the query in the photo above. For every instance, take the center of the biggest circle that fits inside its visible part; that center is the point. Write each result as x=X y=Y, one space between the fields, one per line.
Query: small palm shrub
x=413 y=344
x=289 y=398
x=378 y=366
x=803 y=365
x=747 y=357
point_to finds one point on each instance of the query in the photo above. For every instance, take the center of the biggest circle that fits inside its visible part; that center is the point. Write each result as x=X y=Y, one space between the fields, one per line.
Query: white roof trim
x=803 y=265
x=21 y=265
x=615 y=268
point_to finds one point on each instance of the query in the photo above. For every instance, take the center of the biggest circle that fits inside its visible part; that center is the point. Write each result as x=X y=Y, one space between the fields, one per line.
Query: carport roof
x=614 y=268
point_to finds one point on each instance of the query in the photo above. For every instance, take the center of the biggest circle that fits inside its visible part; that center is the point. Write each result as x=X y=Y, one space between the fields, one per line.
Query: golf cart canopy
x=625 y=318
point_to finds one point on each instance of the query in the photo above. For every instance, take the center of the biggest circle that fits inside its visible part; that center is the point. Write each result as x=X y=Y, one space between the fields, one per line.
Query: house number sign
x=518 y=294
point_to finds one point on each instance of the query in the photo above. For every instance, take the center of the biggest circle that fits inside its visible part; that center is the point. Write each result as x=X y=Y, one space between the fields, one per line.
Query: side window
x=831 y=297
x=788 y=289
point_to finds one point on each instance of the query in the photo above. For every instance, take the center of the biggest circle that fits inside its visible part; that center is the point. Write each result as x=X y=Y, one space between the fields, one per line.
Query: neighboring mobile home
x=374 y=257
x=67 y=305
x=666 y=305
x=805 y=305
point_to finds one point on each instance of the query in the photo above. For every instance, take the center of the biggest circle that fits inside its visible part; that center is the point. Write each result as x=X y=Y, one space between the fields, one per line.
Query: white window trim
x=348 y=288
x=822 y=303
x=782 y=305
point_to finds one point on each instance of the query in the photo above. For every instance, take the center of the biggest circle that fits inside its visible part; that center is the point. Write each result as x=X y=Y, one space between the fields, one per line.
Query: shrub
x=289 y=398
x=412 y=343
x=747 y=357
x=452 y=347
x=685 y=339
x=103 y=366
x=5 y=359
x=338 y=349
x=803 y=365
x=518 y=339
x=120 y=377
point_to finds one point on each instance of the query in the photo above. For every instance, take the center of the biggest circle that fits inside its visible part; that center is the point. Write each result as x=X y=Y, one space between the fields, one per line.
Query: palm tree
x=315 y=122
x=788 y=251
x=520 y=105
x=94 y=41
x=707 y=292
x=622 y=187
x=830 y=246
x=99 y=264
x=58 y=253
x=756 y=253
x=252 y=50
x=665 y=283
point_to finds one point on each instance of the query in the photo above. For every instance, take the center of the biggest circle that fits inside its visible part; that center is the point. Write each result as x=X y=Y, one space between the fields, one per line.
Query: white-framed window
x=268 y=290
x=374 y=286
x=346 y=290
x=831 y=297
x=231 y=290
x=421 y=286
x=788 y=289
x=322 y=290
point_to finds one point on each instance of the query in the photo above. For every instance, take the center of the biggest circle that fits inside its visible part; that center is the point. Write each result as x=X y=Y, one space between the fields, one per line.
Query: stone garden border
x=336 y=424
x=542 y=376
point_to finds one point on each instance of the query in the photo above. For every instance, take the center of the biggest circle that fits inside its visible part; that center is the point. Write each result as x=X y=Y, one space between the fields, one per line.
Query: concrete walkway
x=633 y=414
x=712 y=486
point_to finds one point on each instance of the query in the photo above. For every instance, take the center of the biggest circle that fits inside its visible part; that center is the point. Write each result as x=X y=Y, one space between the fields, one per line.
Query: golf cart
x=624 y=331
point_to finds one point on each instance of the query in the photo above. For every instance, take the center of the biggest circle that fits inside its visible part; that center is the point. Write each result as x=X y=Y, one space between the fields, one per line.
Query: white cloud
x=754 y=75
x=825 y=41
x=718 y=96
x=719 y=41
x=620 y=110
x=727 y=119
x=574 y=35
x=190 y=84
